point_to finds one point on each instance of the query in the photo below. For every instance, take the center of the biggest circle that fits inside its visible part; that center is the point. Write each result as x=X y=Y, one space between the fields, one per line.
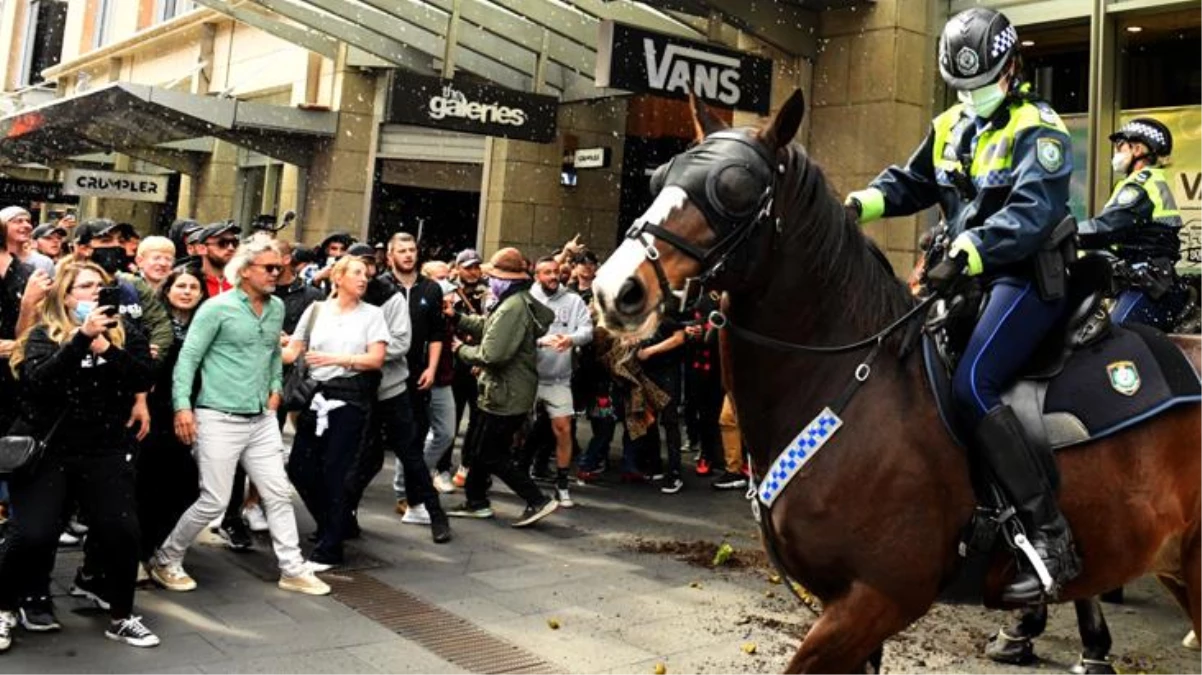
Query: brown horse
x=871 y=524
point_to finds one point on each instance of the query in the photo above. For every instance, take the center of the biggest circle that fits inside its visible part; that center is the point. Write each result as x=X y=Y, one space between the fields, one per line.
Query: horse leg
x=850 y=631
x=1095 y=638
x=1013 y=645
x=874 y=661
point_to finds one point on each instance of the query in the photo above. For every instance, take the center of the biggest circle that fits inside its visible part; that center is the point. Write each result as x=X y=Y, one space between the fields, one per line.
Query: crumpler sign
x=113 y=185
x=472 y=108
x=643 y=61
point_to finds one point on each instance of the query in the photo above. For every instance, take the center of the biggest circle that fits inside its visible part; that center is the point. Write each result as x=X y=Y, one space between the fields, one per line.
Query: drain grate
x=443 y=633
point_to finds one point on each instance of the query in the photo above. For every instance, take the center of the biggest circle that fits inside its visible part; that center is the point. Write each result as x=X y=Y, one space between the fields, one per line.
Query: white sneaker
x=255 y=519
x=304 y=583
x=319 y=567
x=564 y=497
x=8 y=621
x=133 y=632
x=443 y=482
x=171 y=577
x=67 y=539
x=416 y=514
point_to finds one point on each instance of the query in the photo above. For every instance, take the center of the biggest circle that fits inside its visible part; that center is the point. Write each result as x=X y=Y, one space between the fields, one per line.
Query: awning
x=137 y=120
x=544 y=46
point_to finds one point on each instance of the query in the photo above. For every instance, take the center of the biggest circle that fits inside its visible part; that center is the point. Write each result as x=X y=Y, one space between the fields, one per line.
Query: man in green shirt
x=234 y=344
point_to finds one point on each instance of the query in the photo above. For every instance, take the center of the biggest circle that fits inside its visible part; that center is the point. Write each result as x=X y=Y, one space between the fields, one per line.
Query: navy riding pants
x=1134 y=306
x=1014 y=322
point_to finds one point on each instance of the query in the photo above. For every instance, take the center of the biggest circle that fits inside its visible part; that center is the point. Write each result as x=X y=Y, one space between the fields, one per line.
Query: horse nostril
x=631 y=297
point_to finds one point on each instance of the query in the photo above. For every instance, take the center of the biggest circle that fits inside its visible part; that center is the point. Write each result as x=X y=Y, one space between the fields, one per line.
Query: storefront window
x=1159 y=60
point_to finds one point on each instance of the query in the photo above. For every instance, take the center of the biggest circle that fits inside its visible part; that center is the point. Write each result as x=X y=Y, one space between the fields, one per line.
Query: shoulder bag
x=20 y=452
x=299 y=387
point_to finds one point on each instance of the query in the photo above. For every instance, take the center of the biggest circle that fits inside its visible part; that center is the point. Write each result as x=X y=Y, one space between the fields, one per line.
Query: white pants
x=222 y=440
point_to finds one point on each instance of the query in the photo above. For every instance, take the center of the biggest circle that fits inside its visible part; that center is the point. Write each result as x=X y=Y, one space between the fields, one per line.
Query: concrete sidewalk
x=617 y=609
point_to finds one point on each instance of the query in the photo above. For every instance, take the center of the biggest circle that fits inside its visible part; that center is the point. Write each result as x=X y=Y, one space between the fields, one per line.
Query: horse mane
x=832 y=255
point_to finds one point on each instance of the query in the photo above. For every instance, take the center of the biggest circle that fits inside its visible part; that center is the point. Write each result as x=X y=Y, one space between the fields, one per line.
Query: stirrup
x=1041 y=569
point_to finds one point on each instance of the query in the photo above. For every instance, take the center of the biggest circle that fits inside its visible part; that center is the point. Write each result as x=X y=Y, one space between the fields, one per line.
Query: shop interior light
x=1028 y=43
x=1134 y=29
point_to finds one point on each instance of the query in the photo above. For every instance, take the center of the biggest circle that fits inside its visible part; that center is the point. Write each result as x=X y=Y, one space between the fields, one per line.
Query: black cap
x=303 y=254
x=586 y=256
x=48 y=229
x=340 y=237
x=99 y=227
x=362 y=251
x=214 y=230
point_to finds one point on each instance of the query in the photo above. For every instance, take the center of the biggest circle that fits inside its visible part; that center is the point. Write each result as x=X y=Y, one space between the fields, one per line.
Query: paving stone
x=578 y=647
x=401 y=656
x=327 y=661
x=249 y=614
x=286 y=639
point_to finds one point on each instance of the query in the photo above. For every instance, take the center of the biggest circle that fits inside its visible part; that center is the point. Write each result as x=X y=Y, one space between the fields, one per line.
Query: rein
x=766 y=341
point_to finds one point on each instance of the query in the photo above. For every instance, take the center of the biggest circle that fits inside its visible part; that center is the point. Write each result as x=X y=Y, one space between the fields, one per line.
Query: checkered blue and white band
x=801 y=450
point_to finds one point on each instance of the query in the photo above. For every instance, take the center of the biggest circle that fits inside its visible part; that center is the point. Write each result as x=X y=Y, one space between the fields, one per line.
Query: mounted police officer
x=1141 y=225
x=998 y=165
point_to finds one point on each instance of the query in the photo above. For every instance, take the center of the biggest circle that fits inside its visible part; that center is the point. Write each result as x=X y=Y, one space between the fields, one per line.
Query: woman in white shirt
x=342 y=341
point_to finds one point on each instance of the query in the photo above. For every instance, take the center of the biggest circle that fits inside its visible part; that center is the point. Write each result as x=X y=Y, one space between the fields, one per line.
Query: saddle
x=1087 y=380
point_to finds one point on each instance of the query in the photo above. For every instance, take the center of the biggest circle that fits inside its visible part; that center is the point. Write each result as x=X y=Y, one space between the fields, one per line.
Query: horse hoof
x=1191 y=641
x=1092 y=667
x=1014 y=651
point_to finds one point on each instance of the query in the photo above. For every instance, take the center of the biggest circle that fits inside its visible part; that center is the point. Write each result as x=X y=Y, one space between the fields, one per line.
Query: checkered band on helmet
x=975 y=47
x=1151 y=132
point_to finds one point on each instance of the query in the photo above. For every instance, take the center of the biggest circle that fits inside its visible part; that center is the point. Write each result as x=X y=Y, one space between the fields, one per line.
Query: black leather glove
x=943 y=276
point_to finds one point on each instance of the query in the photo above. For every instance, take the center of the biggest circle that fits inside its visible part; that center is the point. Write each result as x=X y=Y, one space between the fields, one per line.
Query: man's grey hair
x=245 y=255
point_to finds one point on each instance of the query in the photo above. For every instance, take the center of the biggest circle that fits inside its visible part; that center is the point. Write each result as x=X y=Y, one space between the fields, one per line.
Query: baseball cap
x=99 y=227
x=214 y=230
x=362 y=250
x=468 y=258
x=48 y=229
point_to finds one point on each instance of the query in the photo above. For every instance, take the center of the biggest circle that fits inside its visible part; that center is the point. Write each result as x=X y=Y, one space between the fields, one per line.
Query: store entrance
x=444 y=221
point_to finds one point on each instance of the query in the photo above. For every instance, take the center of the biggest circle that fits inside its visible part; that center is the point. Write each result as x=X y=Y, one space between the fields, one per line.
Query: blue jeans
x=1013 y=324
x=442 y=424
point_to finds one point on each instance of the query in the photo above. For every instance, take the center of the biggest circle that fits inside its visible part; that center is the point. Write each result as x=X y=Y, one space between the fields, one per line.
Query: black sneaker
x=440 y=527
x=671 y=485
x=88 y=588
x=536 y=512
x=132 y=631
x=466 y=510
x=37 y=615
x=236 y=535
x=729 y=481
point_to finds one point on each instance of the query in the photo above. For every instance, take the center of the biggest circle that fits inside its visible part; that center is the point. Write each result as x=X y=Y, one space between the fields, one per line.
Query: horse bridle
x=732 y=234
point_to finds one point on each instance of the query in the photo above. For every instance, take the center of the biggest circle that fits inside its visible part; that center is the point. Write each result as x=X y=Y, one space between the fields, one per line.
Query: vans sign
x=644 y=61
x=472 y=108
x=136 y=187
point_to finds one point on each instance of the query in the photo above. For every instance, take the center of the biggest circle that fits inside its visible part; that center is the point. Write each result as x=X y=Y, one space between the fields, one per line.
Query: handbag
x=19 y=452
x=299 y=387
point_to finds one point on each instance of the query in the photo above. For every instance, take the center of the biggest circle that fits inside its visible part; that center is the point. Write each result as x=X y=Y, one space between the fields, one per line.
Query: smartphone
x=110 y=297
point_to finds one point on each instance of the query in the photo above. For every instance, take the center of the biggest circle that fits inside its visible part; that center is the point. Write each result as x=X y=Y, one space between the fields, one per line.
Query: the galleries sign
x=472 y=108
x=644 y=61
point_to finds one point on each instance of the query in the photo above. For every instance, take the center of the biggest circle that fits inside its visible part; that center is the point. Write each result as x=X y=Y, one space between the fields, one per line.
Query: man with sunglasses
x=215 y=244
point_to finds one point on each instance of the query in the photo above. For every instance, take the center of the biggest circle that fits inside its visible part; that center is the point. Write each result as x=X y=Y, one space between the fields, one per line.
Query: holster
x=1053 y=258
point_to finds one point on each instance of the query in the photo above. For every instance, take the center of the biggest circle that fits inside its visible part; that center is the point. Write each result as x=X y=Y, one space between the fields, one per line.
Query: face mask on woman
x=983 y=101
x=82 y=309
x=1121 y=162
x=499 y=287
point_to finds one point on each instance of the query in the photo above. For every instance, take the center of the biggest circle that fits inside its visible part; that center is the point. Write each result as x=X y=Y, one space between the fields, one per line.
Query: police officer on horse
x=1141 y=225
x=998 y=165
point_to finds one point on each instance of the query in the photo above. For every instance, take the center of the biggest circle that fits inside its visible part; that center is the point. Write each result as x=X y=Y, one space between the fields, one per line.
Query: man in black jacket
x=429 y=338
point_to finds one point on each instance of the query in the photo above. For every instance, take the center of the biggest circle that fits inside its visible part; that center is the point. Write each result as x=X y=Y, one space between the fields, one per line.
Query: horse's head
x=709 y=202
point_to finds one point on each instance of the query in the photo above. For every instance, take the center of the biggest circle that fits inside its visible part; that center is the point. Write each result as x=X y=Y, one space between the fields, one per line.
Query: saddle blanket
x=1127 y=377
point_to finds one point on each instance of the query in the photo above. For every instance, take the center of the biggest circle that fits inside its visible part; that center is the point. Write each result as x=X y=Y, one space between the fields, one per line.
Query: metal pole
x=448 y=56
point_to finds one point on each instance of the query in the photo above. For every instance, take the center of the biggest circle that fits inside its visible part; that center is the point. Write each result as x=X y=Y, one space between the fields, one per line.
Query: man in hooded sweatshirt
x=572 y=327
x=505 y=349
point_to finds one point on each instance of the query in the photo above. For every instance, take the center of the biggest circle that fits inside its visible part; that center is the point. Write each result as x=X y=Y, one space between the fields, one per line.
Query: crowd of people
x=158 y=375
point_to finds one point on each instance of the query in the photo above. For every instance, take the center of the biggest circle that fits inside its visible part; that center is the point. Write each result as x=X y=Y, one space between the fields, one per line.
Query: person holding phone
x=79 y=369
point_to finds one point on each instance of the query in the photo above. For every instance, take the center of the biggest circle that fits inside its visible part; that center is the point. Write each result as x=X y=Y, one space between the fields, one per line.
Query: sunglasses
x=270 y=268
x=225 y=243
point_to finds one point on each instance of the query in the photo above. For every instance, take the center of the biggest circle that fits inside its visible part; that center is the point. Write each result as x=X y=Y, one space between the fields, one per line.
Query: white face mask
x=1120 y=162
x=983 y=101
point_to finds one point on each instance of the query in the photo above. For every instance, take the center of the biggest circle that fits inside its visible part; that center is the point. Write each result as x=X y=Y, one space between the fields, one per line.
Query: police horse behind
x=872 y=523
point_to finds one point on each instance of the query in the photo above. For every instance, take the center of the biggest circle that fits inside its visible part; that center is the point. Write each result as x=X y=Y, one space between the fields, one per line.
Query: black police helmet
x=1151 y=132
x=975 y=47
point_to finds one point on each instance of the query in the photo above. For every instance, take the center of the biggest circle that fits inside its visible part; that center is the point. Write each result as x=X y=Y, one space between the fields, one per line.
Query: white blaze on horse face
x=625 y=261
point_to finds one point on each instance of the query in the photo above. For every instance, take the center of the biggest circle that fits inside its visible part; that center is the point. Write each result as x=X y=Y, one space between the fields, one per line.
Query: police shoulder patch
x=1127 y=195
x=1143 y=176
x=1049 y=154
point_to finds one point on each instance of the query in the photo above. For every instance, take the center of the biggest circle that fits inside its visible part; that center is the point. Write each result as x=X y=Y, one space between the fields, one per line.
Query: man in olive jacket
x=505 y=351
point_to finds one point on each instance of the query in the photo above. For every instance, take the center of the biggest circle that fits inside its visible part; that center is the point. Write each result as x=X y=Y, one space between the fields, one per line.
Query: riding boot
x=1024 y=477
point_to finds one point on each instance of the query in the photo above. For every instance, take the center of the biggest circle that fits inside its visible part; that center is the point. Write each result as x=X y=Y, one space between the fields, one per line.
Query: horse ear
x=704 y=121
x=787 y=121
